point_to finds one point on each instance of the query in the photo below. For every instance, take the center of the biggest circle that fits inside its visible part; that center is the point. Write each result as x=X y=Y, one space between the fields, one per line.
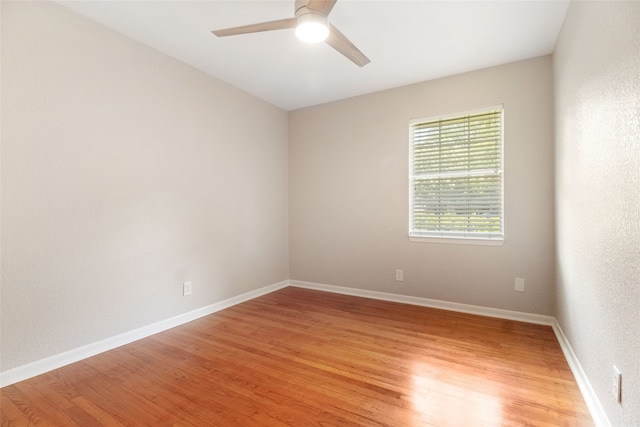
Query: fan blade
x=339 y=42
x=281 y=24
x=322 y=6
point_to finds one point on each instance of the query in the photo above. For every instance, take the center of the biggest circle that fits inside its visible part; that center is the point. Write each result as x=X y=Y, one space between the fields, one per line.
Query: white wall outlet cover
x=519 y=286
x=186 y=288
x=616 y=386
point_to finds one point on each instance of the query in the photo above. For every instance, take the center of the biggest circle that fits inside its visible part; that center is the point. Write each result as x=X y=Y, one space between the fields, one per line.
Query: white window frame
x=459 y=238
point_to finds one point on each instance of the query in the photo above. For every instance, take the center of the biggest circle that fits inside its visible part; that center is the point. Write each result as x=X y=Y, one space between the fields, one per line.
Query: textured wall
x=348 y=192
x=597 y=89
x=125 y=173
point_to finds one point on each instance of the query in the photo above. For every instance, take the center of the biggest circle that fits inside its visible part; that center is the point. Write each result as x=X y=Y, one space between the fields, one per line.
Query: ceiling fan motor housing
x=300 y=7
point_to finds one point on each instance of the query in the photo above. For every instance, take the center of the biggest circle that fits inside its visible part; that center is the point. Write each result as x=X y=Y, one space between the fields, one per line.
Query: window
x=455 y=181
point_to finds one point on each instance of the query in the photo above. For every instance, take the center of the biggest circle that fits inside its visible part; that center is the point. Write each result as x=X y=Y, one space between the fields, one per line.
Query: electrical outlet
x=519 y=287
x=399 y=276
x=616 y=385
x=186 y=288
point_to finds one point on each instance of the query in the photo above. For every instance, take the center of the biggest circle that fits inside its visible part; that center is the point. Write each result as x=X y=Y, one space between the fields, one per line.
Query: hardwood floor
x=297 y=357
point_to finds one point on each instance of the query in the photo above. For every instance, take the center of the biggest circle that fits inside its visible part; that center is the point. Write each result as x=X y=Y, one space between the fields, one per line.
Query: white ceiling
x=407 y=41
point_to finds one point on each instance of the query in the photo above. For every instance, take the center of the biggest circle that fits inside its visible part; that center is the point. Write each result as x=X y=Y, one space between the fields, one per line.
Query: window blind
x=456 y=185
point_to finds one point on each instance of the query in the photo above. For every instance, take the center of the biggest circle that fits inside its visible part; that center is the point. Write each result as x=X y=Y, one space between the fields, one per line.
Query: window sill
x=458 y=240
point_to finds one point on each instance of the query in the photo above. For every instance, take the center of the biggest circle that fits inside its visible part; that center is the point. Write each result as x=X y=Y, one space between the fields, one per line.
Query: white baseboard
x=33 y=369
x=589 y=395
x=42 y=366
x=591 y=400
x=432 y=303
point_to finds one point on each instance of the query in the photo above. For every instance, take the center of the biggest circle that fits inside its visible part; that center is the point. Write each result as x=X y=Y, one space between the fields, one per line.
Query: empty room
x=320 y=213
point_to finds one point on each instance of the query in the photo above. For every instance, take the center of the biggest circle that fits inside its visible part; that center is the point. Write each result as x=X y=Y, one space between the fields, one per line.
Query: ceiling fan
x=311 y=24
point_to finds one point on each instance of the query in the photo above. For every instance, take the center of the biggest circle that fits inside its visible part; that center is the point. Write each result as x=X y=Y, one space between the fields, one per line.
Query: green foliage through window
x=456 y=176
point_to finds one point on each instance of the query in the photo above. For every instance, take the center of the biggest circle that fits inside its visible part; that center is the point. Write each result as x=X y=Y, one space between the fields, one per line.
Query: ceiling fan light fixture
x=312 y=28
x=311 y=25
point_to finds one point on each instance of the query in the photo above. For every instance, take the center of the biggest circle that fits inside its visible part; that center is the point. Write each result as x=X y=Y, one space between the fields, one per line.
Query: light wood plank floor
x=298 y=357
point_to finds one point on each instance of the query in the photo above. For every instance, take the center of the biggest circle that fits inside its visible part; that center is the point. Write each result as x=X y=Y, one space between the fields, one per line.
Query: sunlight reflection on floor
x=449 y=405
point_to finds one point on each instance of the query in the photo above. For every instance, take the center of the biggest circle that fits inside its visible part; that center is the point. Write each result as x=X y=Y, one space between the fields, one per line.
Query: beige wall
x=348 y=193
x=125 y=173
x=597 y=81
